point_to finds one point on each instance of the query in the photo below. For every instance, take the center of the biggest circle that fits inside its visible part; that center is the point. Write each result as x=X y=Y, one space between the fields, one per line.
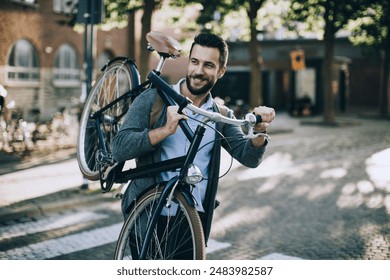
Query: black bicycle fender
x=188 y=196
x=124 y=58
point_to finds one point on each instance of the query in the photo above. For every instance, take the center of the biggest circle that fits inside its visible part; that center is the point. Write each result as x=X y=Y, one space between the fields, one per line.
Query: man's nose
x=199 y=69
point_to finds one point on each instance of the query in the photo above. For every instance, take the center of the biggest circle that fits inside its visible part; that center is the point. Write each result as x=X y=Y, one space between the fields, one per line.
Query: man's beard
x=199 y=91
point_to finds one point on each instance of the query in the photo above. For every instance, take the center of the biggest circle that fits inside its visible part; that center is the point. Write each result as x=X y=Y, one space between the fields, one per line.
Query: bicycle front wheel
x=177 y=236
x=97 y=131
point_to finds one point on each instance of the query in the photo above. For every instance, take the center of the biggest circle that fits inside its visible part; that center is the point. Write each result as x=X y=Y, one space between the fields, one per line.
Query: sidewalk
x=43 y=182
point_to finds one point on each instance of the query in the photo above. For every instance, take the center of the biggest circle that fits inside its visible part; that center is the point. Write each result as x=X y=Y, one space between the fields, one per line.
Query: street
x=322 y=192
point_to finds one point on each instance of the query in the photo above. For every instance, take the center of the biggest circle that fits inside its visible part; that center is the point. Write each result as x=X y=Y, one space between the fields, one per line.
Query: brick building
x=41 y=56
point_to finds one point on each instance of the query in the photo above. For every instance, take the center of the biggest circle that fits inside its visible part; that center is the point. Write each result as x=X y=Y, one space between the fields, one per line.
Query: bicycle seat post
x=164 y=45
x=160 y=65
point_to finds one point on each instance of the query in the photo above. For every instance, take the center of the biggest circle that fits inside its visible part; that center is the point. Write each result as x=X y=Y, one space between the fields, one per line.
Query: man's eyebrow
x=205 y=62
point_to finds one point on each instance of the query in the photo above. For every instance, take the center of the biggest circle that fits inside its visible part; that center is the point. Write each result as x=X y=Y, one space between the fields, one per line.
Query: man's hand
x=267 y=116
x=173 y=117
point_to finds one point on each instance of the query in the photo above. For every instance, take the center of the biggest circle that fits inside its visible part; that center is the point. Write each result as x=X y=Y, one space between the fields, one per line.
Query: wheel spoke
x=177 y=236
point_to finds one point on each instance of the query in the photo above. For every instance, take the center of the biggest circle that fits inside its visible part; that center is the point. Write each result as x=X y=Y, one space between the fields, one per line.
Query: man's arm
x=132 y=138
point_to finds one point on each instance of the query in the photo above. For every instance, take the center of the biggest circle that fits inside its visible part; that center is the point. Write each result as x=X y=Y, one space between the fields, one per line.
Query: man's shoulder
x=149 y=93
x=223 y=109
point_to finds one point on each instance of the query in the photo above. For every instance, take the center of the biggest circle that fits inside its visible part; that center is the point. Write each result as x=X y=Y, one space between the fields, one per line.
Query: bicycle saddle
x=164 y=44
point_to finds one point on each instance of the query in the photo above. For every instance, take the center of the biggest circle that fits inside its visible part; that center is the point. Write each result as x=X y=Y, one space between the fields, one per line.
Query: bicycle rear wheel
x=119 y=77
x=178 y=236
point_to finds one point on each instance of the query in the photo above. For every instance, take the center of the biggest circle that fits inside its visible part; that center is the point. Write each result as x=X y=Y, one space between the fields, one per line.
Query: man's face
x=203 y=69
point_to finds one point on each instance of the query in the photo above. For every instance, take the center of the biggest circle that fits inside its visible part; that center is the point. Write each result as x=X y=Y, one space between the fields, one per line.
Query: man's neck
x=197 y=100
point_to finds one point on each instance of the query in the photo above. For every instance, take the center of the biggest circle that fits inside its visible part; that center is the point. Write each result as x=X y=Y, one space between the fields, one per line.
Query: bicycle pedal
x=104 y=158
x=108 y=173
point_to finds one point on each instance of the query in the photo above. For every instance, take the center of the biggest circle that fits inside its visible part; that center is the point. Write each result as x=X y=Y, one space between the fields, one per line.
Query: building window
x=23 y=63
x=66 y=69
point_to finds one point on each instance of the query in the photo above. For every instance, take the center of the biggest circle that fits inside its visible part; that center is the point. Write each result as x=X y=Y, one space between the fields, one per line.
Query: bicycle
x=147 y=233
x=14 y=132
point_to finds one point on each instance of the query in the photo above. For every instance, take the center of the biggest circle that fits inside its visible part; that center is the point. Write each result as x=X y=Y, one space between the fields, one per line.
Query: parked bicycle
x=14 y=133
x=148 y=232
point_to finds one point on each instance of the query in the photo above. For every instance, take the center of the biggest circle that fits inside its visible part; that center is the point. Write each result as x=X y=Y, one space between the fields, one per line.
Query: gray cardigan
x=132 y=141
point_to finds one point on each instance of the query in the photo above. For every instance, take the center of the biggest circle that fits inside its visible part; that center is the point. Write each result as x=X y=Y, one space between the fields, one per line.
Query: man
x=164 y=140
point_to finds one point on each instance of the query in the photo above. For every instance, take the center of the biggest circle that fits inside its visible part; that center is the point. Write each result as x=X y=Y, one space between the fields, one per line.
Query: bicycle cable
x=222 y=137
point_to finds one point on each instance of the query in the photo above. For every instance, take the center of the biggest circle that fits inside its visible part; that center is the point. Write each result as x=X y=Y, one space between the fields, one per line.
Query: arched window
x=23 y=62
x=66 y=67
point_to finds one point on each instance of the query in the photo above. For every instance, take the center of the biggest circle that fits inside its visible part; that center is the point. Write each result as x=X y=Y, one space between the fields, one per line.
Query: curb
x=31 y=208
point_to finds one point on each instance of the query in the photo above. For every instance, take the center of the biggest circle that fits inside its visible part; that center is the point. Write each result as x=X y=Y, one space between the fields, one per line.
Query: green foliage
x=371 y=31
x=117 y=10
x=312 y=15
x=231 y=18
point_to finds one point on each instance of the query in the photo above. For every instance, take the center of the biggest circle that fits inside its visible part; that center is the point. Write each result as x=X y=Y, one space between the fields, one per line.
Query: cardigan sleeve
x=242 y=149
x=132 y=139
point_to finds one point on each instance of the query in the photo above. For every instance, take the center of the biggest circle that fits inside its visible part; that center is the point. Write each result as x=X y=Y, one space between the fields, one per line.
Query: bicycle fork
x=170 y=187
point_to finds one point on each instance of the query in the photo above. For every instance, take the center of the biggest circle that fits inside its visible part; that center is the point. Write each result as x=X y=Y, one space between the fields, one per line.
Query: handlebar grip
x=168 y=90
x=258 y=118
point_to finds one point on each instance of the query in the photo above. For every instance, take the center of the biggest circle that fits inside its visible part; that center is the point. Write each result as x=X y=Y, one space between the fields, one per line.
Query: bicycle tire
x=175 y=237
x=120 y=76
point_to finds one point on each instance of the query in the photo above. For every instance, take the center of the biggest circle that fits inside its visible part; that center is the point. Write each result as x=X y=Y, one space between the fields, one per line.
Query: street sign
x=297 y=60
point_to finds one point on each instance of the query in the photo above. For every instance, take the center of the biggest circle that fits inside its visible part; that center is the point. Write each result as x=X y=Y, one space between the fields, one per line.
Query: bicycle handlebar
x=249 y=121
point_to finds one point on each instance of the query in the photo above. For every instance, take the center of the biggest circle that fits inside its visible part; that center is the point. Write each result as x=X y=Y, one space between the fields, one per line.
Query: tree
x=372 y=33
x=335 y=14
x=123 y=10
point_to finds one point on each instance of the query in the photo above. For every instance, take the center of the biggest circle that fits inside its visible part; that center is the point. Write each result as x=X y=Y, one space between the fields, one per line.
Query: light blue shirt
x=177 y=145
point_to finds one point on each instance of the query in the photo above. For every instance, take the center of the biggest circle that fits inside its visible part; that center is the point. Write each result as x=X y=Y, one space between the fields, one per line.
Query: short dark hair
x=212 y=41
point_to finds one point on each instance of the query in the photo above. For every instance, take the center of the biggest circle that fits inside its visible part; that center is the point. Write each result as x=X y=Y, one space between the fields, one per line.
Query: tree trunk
x=329 y=92
x=255 y=73
x=131 y=34
x=146 y=22
x=384 y=90
x=255 y=95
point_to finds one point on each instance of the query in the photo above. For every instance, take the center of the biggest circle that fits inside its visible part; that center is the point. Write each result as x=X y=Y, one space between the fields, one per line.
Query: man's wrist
x=262 y=132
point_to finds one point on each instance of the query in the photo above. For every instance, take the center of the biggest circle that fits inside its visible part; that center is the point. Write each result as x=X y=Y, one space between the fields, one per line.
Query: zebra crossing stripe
x=65 y=245
x=279 y=256
x=79 y=242
x=51 y=223
x=214 y=245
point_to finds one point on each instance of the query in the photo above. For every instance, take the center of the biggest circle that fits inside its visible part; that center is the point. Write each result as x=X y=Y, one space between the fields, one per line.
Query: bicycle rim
x=115 y=81
x=174 y=237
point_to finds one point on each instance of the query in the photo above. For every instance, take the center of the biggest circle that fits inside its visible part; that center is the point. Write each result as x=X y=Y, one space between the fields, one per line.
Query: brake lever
x=252 y=120
x=252 y=134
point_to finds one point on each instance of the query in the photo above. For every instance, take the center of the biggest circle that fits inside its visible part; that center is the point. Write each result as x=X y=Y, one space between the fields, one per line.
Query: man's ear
x=221 y=72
